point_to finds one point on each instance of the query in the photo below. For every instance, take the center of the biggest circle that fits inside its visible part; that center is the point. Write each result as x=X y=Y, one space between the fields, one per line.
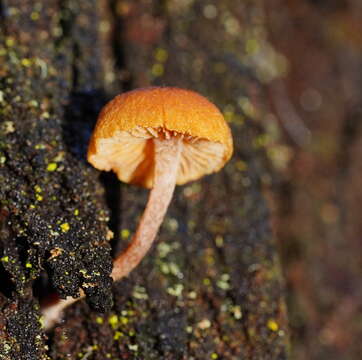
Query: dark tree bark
x=211 y=287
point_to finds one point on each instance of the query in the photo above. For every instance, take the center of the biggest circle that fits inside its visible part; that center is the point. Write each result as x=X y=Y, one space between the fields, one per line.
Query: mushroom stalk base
x=167 y=160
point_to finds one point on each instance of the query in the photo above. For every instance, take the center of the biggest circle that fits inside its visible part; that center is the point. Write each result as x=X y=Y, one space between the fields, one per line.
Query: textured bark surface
x=53 y=217
x=211 y=288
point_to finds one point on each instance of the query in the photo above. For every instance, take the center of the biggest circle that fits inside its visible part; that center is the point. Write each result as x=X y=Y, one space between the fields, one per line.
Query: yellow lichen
x=117 y=335
x=272 y=325
x=124 y=320
x=65 y=227
x=26 y=62
x=161 y=55
x=157 y=70
x=52 y=166
x=99 y=320
x=34 y=16
x=113 y=321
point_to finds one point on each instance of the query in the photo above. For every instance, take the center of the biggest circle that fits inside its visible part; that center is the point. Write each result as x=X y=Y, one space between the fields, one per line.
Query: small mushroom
x=157 y=137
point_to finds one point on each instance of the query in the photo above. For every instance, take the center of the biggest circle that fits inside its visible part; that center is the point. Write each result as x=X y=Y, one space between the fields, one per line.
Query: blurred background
x=317 y=104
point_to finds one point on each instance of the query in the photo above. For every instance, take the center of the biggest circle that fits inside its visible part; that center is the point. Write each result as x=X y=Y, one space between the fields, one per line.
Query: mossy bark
x=211 y=288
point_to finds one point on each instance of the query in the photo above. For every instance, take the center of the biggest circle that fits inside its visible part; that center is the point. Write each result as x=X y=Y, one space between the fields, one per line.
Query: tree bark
x=211 y=287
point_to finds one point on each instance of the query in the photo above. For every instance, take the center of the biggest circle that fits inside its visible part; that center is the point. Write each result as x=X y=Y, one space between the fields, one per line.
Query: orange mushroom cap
x=122 y=138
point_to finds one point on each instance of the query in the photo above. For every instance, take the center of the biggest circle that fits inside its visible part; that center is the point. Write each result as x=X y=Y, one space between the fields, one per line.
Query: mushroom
x=157 y=137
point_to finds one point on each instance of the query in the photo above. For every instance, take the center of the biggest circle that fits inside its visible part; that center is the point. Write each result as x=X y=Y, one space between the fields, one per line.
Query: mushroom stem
x=52 y=311
x=167 y=160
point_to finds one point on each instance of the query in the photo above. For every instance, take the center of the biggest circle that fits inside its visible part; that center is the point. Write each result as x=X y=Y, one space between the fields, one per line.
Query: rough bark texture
x=211 y=288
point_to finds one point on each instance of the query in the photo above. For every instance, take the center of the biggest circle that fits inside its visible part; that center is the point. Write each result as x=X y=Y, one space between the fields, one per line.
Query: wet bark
x=211 y=287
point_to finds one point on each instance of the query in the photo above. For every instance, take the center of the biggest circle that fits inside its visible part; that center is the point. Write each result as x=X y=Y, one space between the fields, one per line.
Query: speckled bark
x=53 y=217
x=211 y=287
